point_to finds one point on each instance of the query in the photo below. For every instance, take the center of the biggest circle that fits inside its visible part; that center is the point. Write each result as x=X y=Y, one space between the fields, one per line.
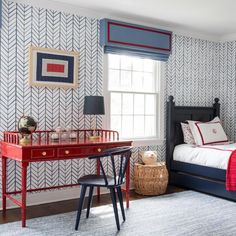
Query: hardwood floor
x=66 y=206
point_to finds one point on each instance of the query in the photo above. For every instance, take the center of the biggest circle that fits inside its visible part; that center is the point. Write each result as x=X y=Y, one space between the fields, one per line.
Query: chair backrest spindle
x=121 y=169
x=125 y=166
x=113 y=168
x=103 y=171
x=122 y=156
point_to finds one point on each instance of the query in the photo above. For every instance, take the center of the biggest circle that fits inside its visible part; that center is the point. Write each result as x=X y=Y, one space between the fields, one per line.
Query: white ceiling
x=210 y=18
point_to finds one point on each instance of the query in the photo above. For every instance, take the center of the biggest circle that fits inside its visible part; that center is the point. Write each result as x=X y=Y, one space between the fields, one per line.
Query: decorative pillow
x=188 y=136
x=149 y=157
x=210 y=132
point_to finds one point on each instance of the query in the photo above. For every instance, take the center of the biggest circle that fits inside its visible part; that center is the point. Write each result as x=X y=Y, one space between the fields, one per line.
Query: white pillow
x=188 y=136
x=210 y=132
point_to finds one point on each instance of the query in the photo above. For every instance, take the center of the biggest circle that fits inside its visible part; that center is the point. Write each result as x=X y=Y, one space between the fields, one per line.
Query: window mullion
x=132 y=75
x=133 y=115
x=121 y=113
x=121 y=91
x=144 y=115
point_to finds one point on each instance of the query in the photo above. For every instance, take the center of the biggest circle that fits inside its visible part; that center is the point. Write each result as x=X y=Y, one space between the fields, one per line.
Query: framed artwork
x=53 y=68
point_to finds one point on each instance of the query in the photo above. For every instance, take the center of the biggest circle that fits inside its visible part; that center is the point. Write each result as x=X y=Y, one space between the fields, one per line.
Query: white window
x=133 y=95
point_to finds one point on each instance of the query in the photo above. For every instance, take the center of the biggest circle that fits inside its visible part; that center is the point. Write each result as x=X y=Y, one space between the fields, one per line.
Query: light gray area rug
x=185 y=213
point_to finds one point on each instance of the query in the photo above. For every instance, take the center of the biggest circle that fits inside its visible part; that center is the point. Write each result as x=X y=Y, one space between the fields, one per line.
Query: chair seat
x=96 y=180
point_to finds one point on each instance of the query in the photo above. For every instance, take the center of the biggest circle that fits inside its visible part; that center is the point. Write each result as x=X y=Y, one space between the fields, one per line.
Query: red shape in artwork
x=55 y=68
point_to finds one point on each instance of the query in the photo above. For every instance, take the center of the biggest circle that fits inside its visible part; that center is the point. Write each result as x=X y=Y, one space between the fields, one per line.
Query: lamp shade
x=94 y=105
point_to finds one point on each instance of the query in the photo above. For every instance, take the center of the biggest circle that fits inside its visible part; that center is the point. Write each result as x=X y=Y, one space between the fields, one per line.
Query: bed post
x=216 y=106
x=169 y=132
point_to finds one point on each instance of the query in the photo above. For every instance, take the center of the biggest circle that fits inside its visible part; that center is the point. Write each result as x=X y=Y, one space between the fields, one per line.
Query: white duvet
x=216 y=156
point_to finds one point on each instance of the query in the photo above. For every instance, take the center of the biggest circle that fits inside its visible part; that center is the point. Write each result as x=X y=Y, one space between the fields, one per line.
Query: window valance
x=119 y=37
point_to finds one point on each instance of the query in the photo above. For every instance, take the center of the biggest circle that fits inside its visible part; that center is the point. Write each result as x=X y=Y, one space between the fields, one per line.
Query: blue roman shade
x=123 y=38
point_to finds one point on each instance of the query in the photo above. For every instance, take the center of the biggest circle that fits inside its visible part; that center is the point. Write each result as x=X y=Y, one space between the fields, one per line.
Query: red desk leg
x=23 y=192
x=4 y=183
x=127 y=183
x=98 y=173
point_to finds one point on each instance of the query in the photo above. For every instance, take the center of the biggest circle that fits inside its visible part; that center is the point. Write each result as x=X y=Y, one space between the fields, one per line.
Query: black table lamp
x=94 y=105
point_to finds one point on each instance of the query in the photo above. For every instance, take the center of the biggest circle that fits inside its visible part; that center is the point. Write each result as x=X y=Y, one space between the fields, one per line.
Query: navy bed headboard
x=178 y=114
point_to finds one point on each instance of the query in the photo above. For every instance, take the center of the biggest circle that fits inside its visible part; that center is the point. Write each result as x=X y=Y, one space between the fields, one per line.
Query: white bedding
x=215 y=156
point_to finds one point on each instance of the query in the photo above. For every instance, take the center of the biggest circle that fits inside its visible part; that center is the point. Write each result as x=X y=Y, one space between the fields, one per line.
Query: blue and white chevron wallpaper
x=200 y=70
x=197 y=71
x=23 y=26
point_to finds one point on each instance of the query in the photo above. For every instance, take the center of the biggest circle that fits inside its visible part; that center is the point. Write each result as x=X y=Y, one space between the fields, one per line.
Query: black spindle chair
x=119 y=158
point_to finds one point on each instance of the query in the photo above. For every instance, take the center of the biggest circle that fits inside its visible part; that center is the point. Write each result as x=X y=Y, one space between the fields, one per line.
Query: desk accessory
x=94 y=105
x=26 y=126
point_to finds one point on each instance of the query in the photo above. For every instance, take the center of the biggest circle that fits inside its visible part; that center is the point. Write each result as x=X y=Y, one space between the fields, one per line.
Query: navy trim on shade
x=94 y=105
x=138 y=53
x=123 y=38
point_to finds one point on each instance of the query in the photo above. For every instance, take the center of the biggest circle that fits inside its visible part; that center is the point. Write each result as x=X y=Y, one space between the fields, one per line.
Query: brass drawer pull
x=99 y=149
x=44 y=153
x=67 y=152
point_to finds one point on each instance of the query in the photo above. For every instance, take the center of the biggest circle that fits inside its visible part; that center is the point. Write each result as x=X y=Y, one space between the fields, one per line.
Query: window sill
x=147 y=142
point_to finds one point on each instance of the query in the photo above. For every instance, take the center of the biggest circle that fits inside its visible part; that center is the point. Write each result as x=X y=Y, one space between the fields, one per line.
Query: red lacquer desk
x=41 y=148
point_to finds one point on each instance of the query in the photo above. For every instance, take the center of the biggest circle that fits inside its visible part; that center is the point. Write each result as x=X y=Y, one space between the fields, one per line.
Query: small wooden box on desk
x=42 y=148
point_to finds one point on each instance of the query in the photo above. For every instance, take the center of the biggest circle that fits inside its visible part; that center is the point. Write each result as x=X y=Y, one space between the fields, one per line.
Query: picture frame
x=53 y=68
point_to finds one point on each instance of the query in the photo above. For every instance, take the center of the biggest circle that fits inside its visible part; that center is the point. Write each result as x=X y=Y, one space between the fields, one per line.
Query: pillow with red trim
x=205 y=133
x=188 y=136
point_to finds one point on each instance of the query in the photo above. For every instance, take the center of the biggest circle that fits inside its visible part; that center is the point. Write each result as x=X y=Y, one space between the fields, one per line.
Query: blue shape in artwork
x=40 y=77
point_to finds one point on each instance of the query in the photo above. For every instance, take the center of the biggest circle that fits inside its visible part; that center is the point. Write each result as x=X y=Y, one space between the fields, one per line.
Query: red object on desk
x=42 y=148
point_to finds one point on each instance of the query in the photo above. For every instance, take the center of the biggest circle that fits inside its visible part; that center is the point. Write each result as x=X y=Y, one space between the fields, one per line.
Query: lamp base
x=24 y=141
x=94 y=137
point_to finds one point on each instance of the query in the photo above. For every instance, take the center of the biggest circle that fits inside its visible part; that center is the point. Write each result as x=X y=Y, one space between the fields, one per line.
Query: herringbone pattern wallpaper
x=24 y=26
x=200 y=70
x=196 y=72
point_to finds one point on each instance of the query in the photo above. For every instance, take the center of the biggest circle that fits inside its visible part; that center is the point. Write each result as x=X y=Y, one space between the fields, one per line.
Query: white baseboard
x=51 y=196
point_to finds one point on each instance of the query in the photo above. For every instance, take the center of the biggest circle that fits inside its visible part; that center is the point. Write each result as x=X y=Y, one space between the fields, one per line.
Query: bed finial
x=216 y=107
x=171 y=99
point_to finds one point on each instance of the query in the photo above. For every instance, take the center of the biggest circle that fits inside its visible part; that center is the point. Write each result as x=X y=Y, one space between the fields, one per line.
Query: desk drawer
x=114 y=146
x=43 y=153
x=79 y=151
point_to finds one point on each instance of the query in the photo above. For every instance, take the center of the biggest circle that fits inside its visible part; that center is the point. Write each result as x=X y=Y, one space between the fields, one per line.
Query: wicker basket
x=150 y=179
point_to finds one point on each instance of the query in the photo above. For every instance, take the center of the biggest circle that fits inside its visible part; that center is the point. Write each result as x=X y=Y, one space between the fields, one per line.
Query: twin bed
x=201 y=168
